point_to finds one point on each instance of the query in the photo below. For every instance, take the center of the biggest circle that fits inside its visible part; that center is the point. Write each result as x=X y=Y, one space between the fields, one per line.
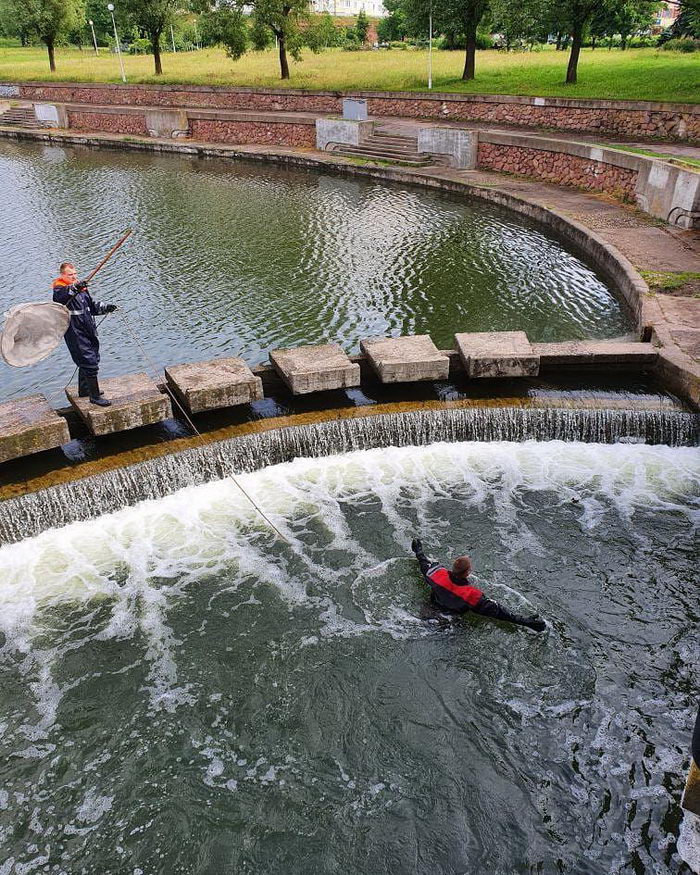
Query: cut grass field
x=635 y=74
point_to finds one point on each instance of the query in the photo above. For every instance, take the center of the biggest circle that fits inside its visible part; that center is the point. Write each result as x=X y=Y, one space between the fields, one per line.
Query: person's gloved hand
x=81 y=286
x=535 y=622
x=416 y=545
x=109 y=308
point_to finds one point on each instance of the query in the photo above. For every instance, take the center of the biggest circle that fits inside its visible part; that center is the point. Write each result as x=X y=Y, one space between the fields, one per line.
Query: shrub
x=682 y=44
x=140 y=47
x=483 y=41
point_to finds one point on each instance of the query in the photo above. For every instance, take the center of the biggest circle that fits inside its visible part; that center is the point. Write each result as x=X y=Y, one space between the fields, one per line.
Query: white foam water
x=171 y=592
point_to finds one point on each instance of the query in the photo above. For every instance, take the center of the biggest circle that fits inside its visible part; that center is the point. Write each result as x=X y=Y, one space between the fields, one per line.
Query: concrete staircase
x=388 y=146
x=19 y=117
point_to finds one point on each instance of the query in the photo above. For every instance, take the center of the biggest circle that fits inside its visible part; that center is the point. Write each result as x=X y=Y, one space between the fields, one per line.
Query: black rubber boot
x=83 y=384
x=95 y=394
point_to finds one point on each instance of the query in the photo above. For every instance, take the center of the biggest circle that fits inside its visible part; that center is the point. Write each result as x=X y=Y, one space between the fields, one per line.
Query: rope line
x=154 y=371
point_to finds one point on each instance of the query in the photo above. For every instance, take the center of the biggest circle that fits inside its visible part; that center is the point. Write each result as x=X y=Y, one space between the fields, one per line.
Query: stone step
x=360 y=152
x=392 y=138
x=214 y=384
x=136 y=401
x=307 y=369
x=406 y=359
x=19 y=118
x=29 y=425
x=391 y=150
x=497 y=354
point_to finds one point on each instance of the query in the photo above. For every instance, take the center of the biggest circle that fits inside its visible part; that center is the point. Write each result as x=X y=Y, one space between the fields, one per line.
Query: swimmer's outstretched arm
x=423 y=561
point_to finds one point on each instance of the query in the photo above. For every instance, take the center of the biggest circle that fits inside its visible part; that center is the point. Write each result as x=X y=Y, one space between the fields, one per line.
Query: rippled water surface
x=235 y=259
x=180 y=693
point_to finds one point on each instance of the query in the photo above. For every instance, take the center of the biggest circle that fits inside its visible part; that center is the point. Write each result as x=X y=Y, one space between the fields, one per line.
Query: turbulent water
x=234 y=259
x=90 y=496
x=182 y=692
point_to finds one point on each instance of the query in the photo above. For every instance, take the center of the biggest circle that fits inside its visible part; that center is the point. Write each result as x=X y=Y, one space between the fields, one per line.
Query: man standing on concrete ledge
x=81 y=336
x=452 y=592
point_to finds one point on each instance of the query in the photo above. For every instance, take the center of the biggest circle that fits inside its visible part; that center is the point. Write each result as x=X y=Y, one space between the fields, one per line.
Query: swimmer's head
x=462 y=566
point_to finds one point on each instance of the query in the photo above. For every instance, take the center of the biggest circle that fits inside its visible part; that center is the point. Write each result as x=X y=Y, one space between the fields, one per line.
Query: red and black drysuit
x=457 y=595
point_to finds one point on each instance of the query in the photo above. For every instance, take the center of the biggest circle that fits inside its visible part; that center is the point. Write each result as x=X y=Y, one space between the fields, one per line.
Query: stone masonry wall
x=559 y=167
x=620 y=118
x=107 y=122
x=266 y=134
x=659 y=124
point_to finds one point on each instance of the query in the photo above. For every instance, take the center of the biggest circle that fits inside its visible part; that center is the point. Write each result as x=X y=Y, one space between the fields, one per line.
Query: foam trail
x=141 y=559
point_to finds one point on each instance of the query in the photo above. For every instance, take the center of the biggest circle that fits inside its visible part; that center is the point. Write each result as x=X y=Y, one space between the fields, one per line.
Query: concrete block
x=595 y=352
x=51 y=115
x=459 y=145
x=315 y=368
x=214 y=384
x=136 y=401
x=169 y=123
x=29 y=425
x=354 y=109
x=497 y=354
x=341 y=131
x=406 y=359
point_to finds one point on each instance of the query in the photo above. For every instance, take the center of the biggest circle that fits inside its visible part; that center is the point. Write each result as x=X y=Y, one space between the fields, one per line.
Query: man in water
x=452 y=592
x=81 y=337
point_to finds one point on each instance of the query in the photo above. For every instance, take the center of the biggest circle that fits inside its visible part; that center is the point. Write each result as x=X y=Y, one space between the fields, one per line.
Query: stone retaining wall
x=559 y=167
x=268 y=134
x=619 y=118
x=109 y=122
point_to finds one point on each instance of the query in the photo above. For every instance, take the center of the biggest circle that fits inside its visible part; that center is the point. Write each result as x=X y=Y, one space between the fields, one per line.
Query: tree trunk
x=558 y=42
x=593 y=39
x=470 y=56
x=155 y=43
x=623 y=41
x=52 y=60
x=577 y=39
x=284 y=63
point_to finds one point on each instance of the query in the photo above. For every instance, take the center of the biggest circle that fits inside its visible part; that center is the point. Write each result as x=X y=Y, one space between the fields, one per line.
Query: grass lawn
x=635 y=74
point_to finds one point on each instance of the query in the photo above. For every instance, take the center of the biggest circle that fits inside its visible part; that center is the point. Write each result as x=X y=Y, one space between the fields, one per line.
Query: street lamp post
x=430 y=46
x=110 y=6
x=172 y=37
x=94 y=38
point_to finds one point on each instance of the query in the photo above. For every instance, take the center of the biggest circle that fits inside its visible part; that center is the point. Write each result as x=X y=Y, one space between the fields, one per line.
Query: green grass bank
x=635 y=74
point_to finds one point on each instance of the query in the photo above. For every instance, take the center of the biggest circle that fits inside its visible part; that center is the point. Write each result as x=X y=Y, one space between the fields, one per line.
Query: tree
x=361 y=27
x=153 y=16
x=280 y=18
x=457 y=17
x=393 y=27
x=524 y=20
x=49 y=20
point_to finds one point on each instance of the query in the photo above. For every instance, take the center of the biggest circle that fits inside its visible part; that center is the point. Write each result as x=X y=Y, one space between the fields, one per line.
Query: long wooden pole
x=125 y=236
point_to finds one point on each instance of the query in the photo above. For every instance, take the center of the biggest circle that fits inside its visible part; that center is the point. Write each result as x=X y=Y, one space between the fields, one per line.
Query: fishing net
x=31 y=332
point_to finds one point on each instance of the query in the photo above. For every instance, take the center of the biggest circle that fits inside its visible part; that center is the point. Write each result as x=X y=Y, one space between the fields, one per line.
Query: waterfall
x=89 y=497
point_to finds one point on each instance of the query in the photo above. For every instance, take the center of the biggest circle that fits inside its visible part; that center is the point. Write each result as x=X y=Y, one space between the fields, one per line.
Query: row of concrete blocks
x=30 y=425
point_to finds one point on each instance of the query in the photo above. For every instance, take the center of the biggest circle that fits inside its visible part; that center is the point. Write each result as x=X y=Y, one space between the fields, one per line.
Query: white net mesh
x=31 y=332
